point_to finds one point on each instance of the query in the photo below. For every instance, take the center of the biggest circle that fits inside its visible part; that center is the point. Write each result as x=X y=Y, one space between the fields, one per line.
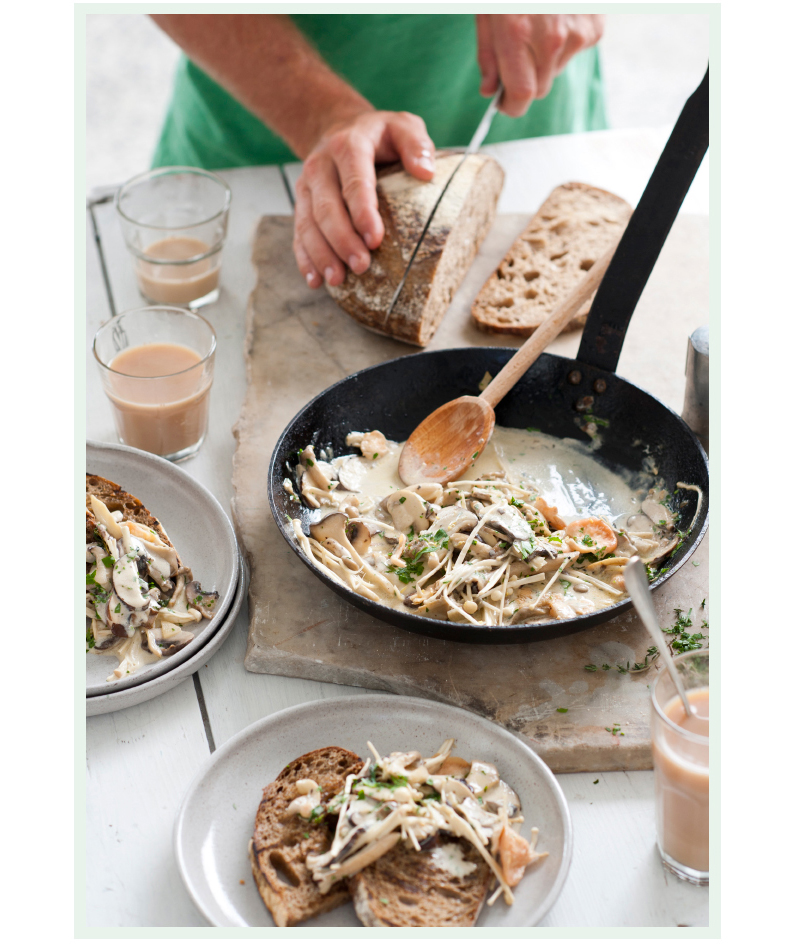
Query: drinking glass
x=157 y=367
x=174 y=221
x=680 y=762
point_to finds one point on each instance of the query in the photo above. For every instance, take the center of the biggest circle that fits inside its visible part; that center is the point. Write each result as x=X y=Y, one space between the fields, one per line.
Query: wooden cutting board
x=298 y=343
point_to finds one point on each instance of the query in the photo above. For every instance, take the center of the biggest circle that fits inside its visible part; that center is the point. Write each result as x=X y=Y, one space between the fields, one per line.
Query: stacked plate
x=205 y=540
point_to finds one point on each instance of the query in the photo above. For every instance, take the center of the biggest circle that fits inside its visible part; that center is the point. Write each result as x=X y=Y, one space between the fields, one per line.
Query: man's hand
x=527 y=51
x=336 y=216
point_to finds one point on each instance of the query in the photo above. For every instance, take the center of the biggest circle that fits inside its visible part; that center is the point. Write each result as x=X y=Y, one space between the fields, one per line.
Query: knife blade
x=474 y=146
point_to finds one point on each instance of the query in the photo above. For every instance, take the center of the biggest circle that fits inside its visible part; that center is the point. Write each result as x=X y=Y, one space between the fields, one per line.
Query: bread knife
x=474 y=146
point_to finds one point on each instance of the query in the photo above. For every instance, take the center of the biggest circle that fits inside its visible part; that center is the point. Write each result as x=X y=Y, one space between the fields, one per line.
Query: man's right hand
x=337 y=220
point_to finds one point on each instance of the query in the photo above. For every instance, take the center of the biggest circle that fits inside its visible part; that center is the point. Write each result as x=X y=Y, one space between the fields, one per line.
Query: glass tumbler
x=680 y=762
x=157 y=367
x=174 y=221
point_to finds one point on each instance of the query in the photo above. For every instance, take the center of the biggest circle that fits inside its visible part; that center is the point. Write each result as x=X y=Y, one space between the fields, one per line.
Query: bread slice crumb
x=575 y=225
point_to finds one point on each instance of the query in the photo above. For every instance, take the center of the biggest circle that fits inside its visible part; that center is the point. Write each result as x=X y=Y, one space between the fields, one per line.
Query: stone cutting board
x=298 y=343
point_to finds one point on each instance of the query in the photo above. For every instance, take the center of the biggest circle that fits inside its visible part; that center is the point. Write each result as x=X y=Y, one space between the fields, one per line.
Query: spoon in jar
x=636 y=582
x=448 y=441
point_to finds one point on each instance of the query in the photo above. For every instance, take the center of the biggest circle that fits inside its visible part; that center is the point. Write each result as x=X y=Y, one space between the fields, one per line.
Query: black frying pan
x=396 y=396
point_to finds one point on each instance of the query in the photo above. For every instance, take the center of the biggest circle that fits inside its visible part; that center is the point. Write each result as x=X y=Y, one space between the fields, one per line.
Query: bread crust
x=281 y=842
x=117 y=499
x=457 y=229
x=572 y=228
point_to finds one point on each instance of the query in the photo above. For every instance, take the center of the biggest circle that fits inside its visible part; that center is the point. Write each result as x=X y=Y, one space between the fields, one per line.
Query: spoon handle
x=636 y=582
x=539 y=340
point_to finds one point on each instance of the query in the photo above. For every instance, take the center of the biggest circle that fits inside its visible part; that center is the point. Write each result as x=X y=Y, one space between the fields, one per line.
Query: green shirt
x=420 y=63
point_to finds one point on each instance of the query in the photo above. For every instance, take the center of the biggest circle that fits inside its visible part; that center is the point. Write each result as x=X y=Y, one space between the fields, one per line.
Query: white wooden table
x=154 y=749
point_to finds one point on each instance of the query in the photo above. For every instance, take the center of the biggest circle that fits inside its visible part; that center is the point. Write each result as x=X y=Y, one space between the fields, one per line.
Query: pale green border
x=713 y=11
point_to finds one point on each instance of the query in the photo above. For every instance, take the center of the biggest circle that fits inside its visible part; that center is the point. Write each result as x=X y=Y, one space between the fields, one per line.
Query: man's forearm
x=267 y=65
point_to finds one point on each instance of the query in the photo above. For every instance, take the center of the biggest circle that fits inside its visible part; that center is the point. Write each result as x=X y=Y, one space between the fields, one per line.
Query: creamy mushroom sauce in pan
x=537 y=530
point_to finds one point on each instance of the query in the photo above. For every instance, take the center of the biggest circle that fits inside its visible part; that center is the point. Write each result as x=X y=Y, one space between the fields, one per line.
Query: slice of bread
x=457 y=229
x=116 y=499
x=410 y=889
x=281 y=841
x=575 y=225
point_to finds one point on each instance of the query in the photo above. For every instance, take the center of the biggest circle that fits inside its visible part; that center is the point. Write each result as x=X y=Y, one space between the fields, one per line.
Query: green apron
x=420 y=63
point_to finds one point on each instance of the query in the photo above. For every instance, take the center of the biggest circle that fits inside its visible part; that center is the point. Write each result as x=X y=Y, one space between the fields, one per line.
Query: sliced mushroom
x=203 y=600
x=359 y=535
x=454 y=518
x=407 y=510
x=657 y=513
x=371 y=445
x=660 y=554
x=340 y=552
x=455 y=767
x=165 y=640
x=119 y=617
x=350 y=473
x=127 y=583
x=430 y=491
x=510 y=523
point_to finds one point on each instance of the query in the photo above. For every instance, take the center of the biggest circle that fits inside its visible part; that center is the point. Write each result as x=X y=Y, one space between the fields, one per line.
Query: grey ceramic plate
x=216 y=818
x=127 y=697
x=197 y=526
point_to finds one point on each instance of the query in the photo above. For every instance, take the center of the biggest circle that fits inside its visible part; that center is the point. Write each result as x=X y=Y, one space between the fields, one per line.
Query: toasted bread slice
x=281 y=842
x=410 y=889
x=576 y=224
x=456 y=231
x=116 y=499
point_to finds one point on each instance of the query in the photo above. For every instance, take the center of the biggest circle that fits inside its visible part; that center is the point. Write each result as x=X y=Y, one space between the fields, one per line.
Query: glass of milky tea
x=157 y=367
x=174 y=221
x=680 y=762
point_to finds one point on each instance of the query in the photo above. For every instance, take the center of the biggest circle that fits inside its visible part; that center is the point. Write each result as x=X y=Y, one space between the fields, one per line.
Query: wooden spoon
x=446 y=443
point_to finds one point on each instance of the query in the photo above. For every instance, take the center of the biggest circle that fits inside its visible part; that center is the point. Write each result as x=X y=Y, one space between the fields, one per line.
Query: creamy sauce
x=542 y=516
x=564 y=472
x=450 y=857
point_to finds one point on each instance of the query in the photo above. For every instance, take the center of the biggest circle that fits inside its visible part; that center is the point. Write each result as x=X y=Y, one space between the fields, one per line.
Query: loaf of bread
x=575 y=225
x=410 y=889
x=281 y=842
x=457 y=229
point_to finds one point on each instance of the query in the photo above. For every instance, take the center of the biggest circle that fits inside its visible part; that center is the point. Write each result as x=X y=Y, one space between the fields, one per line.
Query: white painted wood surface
x=141 y=760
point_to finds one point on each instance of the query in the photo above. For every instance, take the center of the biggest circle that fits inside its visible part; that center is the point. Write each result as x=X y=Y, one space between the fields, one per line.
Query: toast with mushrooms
x=281 y=841
x=139 y=594
x=442 y=886
x=459 y=225
x=116 y=499
x=576 y=224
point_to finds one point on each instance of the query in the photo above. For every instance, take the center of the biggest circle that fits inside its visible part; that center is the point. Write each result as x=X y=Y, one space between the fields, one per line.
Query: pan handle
x=645 y=235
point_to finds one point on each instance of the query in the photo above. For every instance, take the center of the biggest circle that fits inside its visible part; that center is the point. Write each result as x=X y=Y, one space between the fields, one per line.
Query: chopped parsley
x=91 y=578
x=562 y=711
x=108 y=561
x=375 y=455
x=402 y=499
x=117 y=609
x=90 y=640
x=515 y=501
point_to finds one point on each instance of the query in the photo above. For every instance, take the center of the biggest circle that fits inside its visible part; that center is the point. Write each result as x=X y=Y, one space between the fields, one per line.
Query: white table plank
x=140 y=763
x=621 y=161
x=616 y=877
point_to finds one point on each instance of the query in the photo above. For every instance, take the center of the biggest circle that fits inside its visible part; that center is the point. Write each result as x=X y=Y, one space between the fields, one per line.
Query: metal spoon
x=636 y=582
